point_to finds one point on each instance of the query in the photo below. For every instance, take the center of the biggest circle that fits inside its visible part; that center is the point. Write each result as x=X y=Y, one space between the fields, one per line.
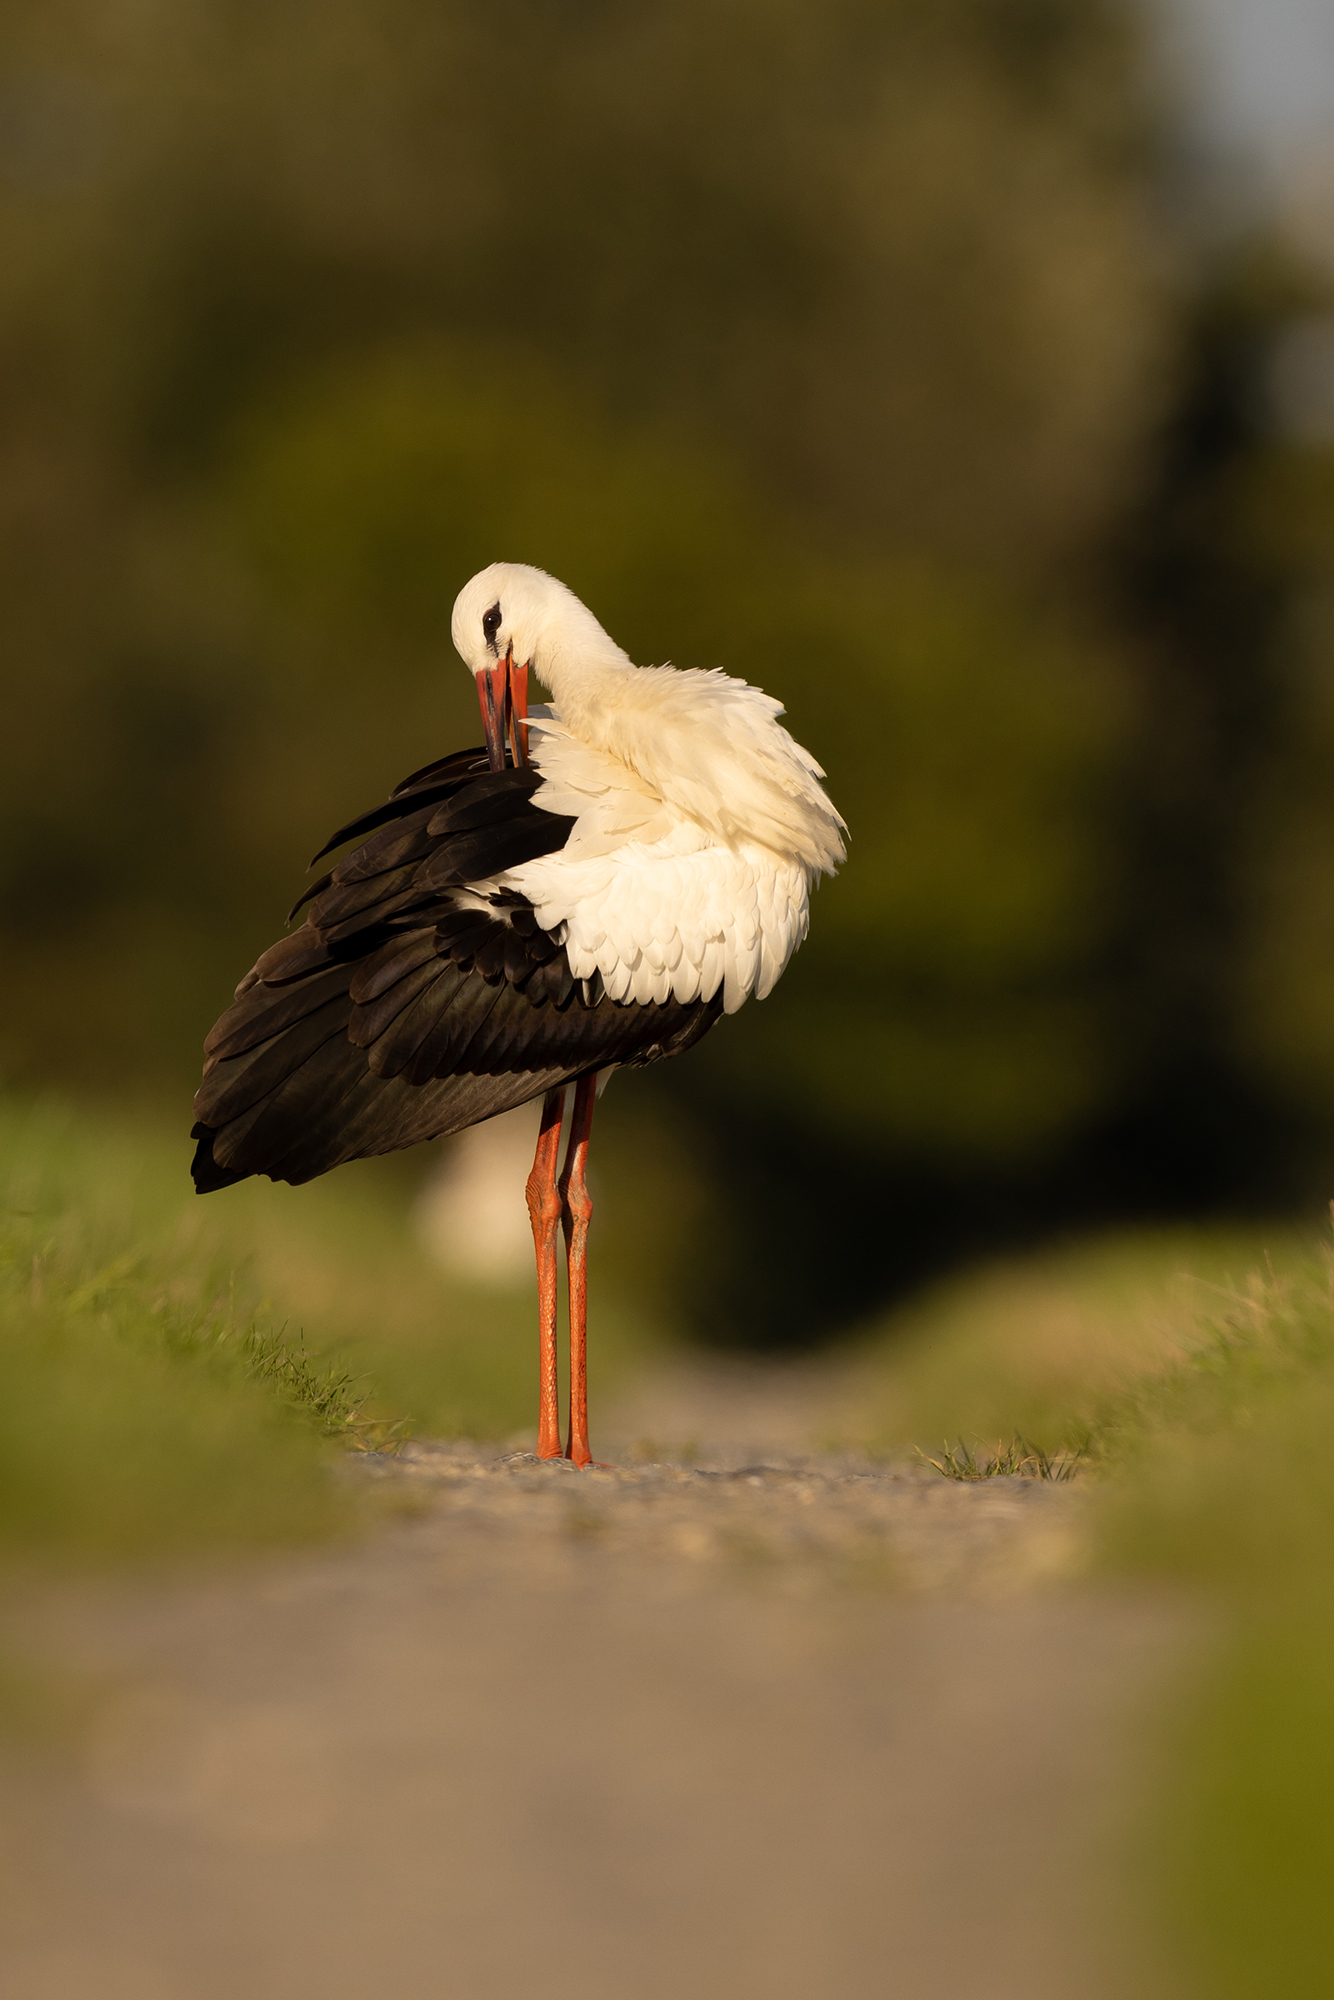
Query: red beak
x=502 y=692
x=519 y=712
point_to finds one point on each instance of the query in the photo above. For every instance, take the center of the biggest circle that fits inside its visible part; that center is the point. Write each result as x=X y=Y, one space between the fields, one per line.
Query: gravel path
x=810 y=1522
x=769 y=1724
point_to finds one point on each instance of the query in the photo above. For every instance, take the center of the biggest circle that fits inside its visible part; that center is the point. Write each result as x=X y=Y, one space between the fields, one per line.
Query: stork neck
x=587 y=682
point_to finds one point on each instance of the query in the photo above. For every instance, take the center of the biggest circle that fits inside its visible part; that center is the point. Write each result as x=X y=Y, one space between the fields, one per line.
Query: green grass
x=1195 y=1376
x=1015 y=1458
x=1241 y=1856
x=178 y=1373
x=141 y=1406
x=1222 y=1478
x=1044 y=1347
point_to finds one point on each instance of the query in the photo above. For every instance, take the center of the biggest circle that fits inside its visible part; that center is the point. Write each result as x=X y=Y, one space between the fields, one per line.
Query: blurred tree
x=896 y=256
x=830 y=344
x=1271 y=510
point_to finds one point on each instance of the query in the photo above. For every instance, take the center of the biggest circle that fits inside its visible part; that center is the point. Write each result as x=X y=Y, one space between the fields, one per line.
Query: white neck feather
x=586 y=671
x=707 y=745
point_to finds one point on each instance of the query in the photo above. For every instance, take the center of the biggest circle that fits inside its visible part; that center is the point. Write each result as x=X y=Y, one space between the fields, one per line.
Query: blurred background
x=962 y=371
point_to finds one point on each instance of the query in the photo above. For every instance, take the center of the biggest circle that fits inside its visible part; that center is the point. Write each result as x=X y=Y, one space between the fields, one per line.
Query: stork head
x=512 y=617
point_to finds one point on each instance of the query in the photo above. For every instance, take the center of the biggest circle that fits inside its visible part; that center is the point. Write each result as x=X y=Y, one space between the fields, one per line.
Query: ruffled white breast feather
x=713 y=748
x=650 y=899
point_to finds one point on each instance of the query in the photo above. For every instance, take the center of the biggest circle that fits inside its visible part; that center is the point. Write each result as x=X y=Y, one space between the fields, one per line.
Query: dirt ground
x=768 y=1722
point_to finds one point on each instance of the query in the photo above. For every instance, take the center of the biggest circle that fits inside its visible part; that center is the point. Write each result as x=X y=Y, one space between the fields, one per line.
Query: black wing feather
x=436 y=782
x=247 y=1022
x=234 y=1085
x=404 y=840
x=368 y=1023
x=397 y=1012
x=392 y=962
x=391 y=1052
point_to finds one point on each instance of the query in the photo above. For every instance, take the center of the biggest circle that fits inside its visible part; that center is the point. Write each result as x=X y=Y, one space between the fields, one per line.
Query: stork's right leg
x=576 y=1214
x=544 y=1206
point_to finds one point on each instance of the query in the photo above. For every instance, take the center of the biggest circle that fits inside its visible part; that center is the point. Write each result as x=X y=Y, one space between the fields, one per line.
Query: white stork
x=591 y=892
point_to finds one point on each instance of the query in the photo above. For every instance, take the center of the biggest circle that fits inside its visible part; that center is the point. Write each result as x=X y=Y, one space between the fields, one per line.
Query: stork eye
x=491 y=624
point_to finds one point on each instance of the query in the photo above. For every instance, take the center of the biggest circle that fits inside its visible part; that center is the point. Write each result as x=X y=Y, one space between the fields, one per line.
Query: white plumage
x=700 y=825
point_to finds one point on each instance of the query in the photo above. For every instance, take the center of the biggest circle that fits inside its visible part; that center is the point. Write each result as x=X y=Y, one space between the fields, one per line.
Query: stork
x=590 y=892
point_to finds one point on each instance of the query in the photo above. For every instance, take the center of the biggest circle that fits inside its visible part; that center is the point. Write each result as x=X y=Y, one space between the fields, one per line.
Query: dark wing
x=410 y=1004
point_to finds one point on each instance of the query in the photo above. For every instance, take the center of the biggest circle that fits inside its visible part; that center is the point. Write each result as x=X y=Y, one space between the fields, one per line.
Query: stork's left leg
x=544 y=1206
x=576 y=1212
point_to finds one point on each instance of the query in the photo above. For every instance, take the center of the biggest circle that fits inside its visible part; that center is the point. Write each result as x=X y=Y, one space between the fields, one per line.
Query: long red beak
x=502 y=692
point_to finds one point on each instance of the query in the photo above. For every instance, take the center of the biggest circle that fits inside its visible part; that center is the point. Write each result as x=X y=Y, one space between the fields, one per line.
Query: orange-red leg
x=544 y=1206
x=576 y=1212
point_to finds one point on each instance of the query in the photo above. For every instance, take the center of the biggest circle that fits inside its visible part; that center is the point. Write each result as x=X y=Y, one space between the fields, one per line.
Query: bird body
x=637 y=861
x=700 y=826
x=644 y=895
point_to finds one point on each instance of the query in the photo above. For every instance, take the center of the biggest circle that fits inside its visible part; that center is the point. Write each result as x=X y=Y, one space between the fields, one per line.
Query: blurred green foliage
x=839 y=346
x=1227 y=1482
x=1245 y=1850
x=1060 y=1345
